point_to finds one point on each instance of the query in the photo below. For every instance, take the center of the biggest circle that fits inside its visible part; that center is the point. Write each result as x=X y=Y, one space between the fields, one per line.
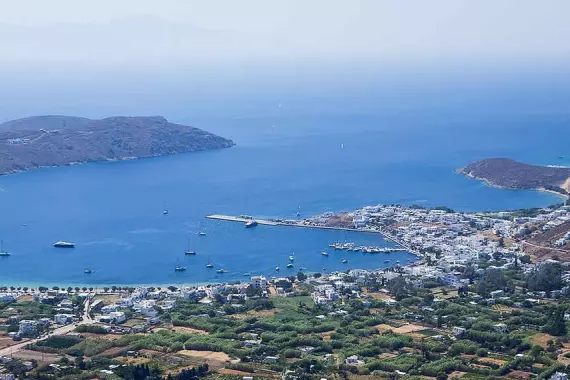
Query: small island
x=43 y=141
x=511 y=174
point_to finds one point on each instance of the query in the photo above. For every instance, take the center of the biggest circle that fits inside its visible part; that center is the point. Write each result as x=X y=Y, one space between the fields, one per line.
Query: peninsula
x=511 y=174
x=43 y=141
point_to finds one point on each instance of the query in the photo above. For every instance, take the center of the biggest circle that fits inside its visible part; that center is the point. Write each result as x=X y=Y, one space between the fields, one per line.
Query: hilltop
x=511 y=174
x=42 y=141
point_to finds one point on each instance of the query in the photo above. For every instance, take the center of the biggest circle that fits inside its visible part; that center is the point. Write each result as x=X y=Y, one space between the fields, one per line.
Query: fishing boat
x=3 y=253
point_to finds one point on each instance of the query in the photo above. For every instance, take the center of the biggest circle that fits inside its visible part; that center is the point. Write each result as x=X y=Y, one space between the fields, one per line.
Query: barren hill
x=62 y=140
x=504 y=172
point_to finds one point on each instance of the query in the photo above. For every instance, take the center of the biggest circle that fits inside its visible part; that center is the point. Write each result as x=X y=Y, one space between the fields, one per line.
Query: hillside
x=549 y=244
x=507 y=173
x=62 y=140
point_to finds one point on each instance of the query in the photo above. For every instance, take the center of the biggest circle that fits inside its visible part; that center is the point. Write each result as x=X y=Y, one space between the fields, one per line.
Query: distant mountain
x=63 y=140
x=511 y=174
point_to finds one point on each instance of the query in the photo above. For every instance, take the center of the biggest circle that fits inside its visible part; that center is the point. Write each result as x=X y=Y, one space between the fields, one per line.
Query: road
x=8 y=351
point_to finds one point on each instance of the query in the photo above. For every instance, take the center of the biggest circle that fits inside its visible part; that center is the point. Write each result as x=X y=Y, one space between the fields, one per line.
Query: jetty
x=305 y=224
x=287 y=222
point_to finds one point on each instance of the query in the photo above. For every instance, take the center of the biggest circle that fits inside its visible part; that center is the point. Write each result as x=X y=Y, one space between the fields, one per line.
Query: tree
x=317 y=275
x=555 y=325
x=106 y=289
x=301 y=276
x=493 y=279
x=525 y=259
x=172 y=288
x=114 y=288
x=399 y=288
x=547 y=277
x=80 y=363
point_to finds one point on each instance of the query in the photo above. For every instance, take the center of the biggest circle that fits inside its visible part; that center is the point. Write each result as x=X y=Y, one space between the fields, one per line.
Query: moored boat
x=251 y=223
x=63 y=244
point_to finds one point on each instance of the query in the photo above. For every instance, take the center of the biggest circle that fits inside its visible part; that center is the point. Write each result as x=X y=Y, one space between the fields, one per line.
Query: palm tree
x=84 y=288
x=77 y=289
x=90 y=289
x=106 y=289
x=114 y=288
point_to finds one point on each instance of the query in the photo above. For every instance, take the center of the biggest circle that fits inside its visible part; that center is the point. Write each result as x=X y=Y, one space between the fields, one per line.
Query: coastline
x=119 y=159
x=492 y=184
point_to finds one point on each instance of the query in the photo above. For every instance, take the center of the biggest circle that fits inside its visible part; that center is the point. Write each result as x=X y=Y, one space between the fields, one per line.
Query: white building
x=259 y=282
x=27 y=327
x=63 y=319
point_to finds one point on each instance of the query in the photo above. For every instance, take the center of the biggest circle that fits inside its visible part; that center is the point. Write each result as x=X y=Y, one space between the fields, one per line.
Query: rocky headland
x=43 y=141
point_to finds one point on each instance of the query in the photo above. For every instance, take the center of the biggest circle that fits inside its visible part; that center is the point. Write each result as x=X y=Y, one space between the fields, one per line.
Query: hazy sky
x=146 y=31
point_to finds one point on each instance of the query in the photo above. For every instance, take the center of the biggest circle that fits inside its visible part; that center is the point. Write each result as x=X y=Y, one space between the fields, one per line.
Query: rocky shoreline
x=509 y=174
x=52 y=141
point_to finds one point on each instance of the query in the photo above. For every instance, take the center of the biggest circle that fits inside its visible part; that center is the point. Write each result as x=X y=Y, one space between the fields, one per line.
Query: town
x=476 y=305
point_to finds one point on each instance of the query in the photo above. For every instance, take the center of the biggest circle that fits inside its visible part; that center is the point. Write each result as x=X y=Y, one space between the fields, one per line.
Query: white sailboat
x=2 y=251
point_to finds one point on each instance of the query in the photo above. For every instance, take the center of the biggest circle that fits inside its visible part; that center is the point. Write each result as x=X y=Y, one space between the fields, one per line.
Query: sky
x=110 y=32
x=186 y=57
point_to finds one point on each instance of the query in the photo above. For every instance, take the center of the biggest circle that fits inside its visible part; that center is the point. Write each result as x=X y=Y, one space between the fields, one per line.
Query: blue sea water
x=281 y=164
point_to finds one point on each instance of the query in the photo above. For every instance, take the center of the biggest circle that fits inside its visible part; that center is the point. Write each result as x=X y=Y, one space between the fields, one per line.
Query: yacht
x=221 y=271
x=344 y=261
x=276 y=269
x=247 y=274
x=201 y=233
x=291 y=258
x=179 y=269
x=209 y=265
x=324 y=253
x=87 y=271
x=3 y=253
x=63 y=244
x=251 y=223
x=165 y=211
x=290 y=265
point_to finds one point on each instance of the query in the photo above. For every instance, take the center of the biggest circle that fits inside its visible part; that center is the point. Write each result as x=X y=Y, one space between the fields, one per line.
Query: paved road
x=58 y=331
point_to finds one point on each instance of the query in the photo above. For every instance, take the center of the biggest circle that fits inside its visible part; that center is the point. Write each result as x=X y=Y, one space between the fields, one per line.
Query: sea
x=284 y=162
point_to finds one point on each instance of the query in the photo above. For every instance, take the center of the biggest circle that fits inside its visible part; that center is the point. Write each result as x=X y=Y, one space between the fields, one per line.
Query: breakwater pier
x=306 y=224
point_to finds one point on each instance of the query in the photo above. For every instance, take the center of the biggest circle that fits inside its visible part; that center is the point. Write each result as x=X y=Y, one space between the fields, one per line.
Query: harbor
x=307 y=223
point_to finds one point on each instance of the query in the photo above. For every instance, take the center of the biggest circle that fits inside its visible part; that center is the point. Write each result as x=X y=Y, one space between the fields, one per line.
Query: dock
x=302 y=224
x=286 y=222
